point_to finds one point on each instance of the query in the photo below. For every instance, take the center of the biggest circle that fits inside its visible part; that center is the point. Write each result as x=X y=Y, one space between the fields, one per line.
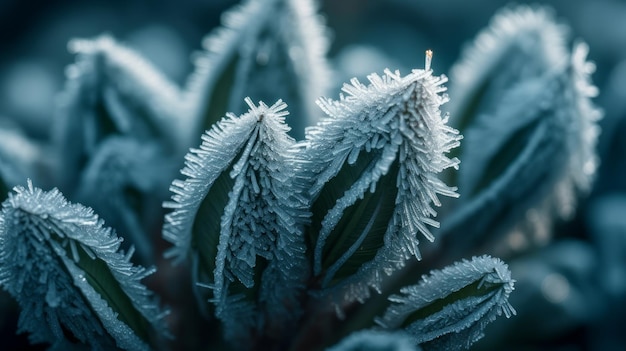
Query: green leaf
x=239 y=215
x=449 y=309
x=199 y=201
x=506 y=156
x=206 y=226
x=99 y=276
x=58 y=260
x=360 y=233
x=529 y=148
x=373 y=167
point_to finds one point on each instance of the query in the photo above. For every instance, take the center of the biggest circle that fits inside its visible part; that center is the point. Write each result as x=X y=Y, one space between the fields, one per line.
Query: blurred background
x=580 y=301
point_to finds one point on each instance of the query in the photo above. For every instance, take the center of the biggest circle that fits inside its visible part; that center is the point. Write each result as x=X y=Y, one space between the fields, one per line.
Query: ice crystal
x=449 y=309
x=374 y=163
x=262 y=43
x=532 y=138
x=66 y=272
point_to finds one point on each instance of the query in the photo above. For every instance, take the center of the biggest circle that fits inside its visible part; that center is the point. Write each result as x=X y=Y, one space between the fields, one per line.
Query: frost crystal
x=67 y=274
x=374 y=163
x=529 y=150
x=449 y=309
x=262 y=43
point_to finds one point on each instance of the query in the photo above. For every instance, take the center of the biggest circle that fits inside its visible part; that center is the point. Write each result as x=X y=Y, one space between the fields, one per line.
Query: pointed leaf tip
x=374 y=165
x=240 y=215
x=451 y=307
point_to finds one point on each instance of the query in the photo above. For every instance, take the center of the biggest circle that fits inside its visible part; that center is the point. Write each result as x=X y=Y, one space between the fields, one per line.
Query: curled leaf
x=66 y=272
x=262 y=43
x=373 y=164
x=449 y=309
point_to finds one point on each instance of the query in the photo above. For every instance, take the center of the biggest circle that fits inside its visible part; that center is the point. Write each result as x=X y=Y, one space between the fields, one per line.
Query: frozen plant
x=294 y=238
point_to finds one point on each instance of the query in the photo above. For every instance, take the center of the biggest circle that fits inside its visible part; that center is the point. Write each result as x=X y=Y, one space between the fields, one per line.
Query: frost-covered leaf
x=529 y=126
x=261 y=253
x=521 y=43
x=125 y=182
x=240 y=216
x=374 y=163
x=69 y=277
x=110 y=89
x=449 y=309
x=371 y=340
x=267 y=50
x=199 y=201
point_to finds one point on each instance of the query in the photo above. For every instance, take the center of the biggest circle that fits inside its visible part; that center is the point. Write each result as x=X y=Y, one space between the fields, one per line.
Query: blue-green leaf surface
x=69 y=277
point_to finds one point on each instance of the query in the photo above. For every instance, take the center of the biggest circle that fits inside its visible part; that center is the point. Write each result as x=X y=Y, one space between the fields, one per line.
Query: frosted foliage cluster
x=45 y=243
x=481 y=288
x=396 y=119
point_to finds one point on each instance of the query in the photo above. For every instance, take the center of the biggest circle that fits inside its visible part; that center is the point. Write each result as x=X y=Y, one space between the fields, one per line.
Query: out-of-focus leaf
x=66 y=272
x=199 y=201
x=374 y=340
x=125 y=182
x=266 y=50
x=112 y=90
x=449 y=309
x=373 y=165
x=530 y=130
